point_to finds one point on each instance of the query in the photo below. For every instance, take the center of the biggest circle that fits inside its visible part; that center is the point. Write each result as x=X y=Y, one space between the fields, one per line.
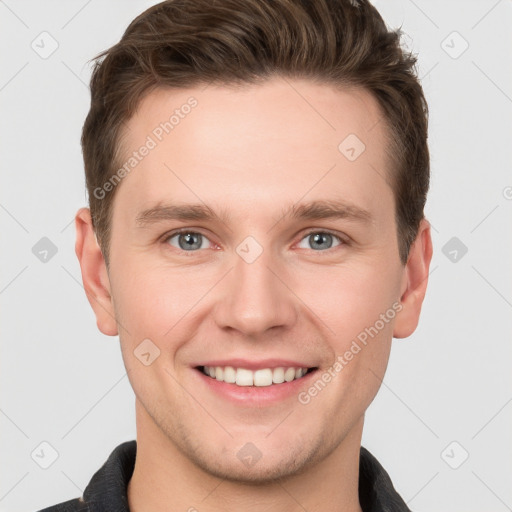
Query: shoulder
x=107 y=489
x=376 y=491
x=74 y=505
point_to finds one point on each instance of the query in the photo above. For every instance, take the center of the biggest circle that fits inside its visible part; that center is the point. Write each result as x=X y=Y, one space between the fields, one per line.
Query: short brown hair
x=182 y=43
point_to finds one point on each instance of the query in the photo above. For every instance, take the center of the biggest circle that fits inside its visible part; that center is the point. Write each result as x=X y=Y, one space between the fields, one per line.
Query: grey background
x=64 y=383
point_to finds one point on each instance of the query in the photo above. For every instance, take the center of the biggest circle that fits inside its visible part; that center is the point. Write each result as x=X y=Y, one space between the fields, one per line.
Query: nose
x=256 y=297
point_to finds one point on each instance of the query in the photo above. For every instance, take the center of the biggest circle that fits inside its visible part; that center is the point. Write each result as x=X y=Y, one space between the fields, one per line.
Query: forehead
x=255 y=145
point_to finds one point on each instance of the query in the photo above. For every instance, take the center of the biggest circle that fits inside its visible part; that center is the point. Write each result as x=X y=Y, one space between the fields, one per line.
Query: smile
x=260 y=377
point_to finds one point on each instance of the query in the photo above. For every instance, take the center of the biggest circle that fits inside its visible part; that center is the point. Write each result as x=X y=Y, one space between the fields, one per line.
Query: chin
x=260 y=472
x=257 y=463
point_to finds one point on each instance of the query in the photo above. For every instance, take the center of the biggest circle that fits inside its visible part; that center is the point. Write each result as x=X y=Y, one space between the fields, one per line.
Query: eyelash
x=343 y=241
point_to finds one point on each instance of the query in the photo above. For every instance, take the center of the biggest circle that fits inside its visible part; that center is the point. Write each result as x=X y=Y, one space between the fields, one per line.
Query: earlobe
x=414 y=283
x=94 y=273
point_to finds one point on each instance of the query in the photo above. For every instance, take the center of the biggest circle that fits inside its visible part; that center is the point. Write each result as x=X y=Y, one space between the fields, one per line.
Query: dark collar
x=107 y=490
x=376 y=491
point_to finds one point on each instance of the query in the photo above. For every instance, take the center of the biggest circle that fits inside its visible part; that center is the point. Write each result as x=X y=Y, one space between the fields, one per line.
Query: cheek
x=150 y=300
x=348 y=299
x=359 y=308
x=152 y=305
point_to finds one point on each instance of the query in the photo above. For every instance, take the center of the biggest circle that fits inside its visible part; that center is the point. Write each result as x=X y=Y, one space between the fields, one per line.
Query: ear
x=94 y=273
x=414 y=282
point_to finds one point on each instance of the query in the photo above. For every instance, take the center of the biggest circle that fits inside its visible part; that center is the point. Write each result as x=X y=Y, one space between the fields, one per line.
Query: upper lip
x=256 y=365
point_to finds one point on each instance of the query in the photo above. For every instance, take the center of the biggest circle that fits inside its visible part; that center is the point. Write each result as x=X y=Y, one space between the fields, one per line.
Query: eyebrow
x=313 y=210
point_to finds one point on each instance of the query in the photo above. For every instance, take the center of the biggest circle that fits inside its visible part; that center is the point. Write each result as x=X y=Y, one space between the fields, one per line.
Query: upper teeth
x=263 y=377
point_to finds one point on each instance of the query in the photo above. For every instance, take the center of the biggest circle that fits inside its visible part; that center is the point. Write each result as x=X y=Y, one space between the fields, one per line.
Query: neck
x=165 y=479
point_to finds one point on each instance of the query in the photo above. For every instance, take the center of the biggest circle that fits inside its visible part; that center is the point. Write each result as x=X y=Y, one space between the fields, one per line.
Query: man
x=227 y=142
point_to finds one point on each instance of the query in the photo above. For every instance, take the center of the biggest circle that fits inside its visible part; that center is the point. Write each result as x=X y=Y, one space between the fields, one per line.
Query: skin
x=250 y=152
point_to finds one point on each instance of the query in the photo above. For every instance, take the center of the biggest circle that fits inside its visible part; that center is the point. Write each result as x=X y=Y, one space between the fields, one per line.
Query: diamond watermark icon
x=455 y=455
x=351 y=147
x=44 y=455
x=146 y=352
x=249 y=249
x=44 y=45
x=249 y=454
x=454 y=249
x=454 y=45
x=44 y=250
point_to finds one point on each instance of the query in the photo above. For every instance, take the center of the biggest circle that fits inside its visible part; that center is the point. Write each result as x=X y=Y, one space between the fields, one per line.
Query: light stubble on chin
x=226 y=466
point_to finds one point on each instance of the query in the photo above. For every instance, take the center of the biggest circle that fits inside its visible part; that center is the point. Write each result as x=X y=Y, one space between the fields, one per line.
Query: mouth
x=244 y=377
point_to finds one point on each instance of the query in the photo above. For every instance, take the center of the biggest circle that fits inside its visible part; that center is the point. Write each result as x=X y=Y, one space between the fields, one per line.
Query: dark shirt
x=106 y=492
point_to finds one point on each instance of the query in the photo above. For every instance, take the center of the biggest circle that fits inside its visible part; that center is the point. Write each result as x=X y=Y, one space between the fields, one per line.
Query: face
x=247 y=237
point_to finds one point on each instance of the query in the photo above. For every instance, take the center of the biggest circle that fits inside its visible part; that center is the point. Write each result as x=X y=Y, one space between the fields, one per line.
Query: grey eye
x=188 y=241
x=320 y=240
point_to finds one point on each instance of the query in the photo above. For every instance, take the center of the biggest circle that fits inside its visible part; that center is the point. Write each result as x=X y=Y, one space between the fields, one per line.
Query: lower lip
x=256 y=395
